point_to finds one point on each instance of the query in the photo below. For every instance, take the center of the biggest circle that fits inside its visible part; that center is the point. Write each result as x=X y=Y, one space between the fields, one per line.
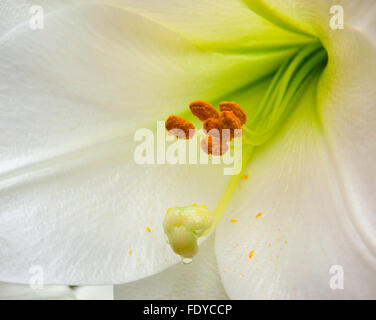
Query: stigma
x=184 y=226
x=220 y=128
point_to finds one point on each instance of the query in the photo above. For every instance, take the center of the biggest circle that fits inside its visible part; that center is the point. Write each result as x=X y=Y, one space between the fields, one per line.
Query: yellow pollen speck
x=269 y=245
x=129 y=251
x=165 y=260
x=251 y=254
x=224 y=271
x=242 y=274
x=259 y=215
x=286 y=241
x=234 y=220
x=148 y=229
x=279 y=229
x=245 y=177
x=281 y=248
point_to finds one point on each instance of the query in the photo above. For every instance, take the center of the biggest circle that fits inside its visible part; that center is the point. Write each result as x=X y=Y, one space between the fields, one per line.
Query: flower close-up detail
x=289 y=85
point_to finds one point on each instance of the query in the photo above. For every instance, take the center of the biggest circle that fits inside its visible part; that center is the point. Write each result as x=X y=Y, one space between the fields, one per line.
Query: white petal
x=313 y=184
x=94 y=292
x=314 y=17
x=17 y=12
x=10 y=291
x=72 y=199
x=347 y=107
x=214 y=24
x=306 y=226
x=197 y=280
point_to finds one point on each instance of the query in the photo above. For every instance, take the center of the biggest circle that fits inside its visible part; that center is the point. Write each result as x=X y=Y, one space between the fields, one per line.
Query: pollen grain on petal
x=179 y=127
x=203 y=110
x=258 y=215
x=245 y=176
x=148 y=229
x=235 y=108
x=251 y=254
x=233 y=220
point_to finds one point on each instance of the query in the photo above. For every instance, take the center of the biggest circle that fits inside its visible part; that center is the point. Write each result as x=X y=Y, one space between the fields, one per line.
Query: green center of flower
x=184 y=225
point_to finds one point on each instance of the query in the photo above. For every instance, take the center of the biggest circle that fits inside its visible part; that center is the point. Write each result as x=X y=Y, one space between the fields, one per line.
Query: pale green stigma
x=184 y=225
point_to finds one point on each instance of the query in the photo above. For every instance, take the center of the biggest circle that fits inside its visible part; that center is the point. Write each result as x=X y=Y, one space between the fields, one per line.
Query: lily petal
x=94 y=292
x=314 y=186
x=347 y=106
x=16 y=12
x=215 y=24
x=293 y=222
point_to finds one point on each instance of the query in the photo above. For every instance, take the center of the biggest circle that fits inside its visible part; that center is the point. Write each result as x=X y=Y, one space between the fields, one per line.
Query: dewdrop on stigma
x=184 y=225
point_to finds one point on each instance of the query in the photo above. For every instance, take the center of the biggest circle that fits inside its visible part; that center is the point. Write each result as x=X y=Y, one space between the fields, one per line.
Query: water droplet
x=186 y=260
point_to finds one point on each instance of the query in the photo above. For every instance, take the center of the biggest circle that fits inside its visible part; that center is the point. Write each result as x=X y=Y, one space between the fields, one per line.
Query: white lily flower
x=74 y=202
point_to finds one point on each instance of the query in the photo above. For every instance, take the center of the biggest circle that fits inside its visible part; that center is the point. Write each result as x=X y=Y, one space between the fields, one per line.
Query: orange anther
x=236 y=109
x=216 y=127
x=212 y=127
x=179 y=127
x=203 y=110
x=213 y=145
x=220 y=128
x=229 y=121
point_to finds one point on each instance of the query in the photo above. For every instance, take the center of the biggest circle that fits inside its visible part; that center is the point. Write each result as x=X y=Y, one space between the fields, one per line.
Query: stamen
x=179 y=127
x=203 y=110
x=235 y=109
